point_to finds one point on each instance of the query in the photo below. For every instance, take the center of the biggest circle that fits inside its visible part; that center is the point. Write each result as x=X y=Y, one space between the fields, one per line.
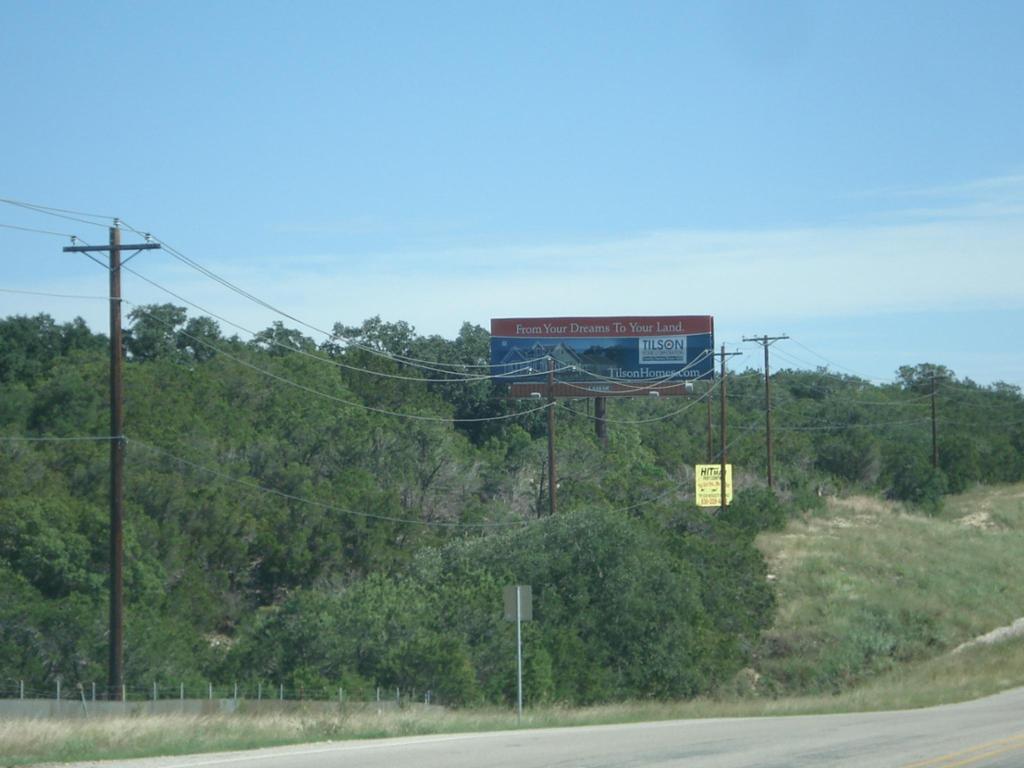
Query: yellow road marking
x=972 y=754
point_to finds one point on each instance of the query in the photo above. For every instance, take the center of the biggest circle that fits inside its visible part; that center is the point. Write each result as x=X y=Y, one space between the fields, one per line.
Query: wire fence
x=94 y=699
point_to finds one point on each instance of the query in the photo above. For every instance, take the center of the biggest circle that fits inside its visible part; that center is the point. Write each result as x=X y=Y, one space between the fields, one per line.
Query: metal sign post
x=518 y=608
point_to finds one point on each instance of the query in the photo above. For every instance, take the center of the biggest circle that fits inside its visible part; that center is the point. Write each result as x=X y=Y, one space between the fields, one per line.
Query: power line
x=648 y=383
x=50 y=209
x=312 y=502
x=833 y=364
x=663 y=417
x=37 y=231
x=852 y=425
x=340 y=400
x=54 y=295
x=406 y=359
x=60 y=213
x=55 y=439
x=456 y=379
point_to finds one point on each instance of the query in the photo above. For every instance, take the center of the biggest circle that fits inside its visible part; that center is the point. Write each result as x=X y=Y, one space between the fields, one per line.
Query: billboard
x=618 y=355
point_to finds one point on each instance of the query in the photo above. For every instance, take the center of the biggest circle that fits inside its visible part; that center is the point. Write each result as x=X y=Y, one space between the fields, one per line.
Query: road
x=988 y=733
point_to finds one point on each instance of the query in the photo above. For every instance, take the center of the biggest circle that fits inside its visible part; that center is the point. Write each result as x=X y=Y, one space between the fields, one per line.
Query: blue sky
x=851 y=174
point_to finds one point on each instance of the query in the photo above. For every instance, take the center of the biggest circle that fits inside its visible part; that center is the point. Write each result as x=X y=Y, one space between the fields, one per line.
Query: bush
x=917 y=482
x=754 y=510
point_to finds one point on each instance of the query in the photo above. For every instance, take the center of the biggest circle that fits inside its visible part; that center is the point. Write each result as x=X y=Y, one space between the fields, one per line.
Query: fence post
x=210 y=690
x=181 y=691
x=339 y=696
x=154 y=691
x=236 y=694
x=259 y=691
x=282 y=692
x=124 y=697
x=94 y=693
x=58 y=690
x=21 y=689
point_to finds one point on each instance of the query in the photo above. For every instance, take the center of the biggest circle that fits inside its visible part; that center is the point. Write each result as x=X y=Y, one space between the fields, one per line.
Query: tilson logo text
x=662 y=349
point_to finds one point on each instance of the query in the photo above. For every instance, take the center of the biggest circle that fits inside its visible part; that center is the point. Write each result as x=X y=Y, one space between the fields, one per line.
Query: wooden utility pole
x=115 y=679
x=552 y=474
x=724 y=459
x=711 y=429
x=935 y=429
x=767 y=341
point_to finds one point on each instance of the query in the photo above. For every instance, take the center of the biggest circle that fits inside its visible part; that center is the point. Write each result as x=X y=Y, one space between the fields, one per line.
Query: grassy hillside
x=873 y=599
x=865 y=587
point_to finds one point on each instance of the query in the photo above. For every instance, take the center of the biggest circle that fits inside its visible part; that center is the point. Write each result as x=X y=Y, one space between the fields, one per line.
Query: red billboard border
x=623 y=326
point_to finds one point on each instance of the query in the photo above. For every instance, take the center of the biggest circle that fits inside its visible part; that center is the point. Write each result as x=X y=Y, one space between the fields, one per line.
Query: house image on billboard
x=532 y=359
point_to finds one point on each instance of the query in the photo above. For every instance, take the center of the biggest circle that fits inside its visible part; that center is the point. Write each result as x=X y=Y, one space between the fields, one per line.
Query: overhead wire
x=638 y=385
x=405 y=359
x=341 y=400
x=36 y=231
x=53 y=295
x=61 y=213
x=662 y=417
x=678 y=486
x=834 y=364
x=55 y=439
x=313 y=502
x=296 y=350
x=850 y=425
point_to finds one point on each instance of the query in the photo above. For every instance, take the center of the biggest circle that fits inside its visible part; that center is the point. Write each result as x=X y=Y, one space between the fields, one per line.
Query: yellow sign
x=709 y=486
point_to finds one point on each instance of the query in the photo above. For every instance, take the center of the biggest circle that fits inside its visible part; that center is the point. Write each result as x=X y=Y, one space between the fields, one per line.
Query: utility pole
x=711 y=431
x=552 y=475
x=767 y=341
x=935 y=429
x=115 y=679
x=723 y=459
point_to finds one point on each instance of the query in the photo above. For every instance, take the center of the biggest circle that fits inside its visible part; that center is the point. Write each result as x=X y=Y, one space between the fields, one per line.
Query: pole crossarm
x=108 y=248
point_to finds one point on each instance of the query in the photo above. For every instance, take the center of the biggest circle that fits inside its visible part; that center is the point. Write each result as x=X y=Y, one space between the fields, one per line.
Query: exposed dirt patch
x=979 y=519
x=999 y=635
x=860 y=506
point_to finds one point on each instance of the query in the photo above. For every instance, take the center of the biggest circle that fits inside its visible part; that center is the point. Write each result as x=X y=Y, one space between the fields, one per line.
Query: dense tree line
x=284 y=525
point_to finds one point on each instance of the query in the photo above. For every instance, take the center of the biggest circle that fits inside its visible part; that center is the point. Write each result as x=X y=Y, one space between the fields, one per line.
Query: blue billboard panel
x=624 y=349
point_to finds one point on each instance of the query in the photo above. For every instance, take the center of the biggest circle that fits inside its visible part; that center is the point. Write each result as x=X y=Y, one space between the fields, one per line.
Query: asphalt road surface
x=987 y=733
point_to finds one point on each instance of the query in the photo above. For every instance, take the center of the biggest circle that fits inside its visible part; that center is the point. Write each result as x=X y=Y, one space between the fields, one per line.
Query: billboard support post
x=552 y=474
x=600 y=425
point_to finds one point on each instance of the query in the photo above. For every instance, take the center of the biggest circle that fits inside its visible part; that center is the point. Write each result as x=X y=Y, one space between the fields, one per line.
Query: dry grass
x=953 y=677
x=867 y=587
x=950 y=678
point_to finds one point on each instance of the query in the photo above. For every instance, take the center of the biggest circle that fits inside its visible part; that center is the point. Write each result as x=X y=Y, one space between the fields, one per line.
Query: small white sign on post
x=518 y=608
